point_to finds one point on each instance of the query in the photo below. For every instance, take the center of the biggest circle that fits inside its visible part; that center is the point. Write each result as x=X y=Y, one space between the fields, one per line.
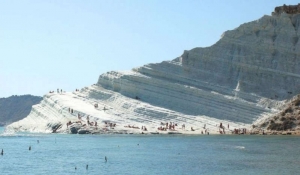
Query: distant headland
x=16 y=107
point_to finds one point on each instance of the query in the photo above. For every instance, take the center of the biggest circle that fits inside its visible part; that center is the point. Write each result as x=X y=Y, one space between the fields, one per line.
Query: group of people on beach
x=171 y=126
x=205 y=132
x=222 y=128
x=88 y=123
x=80 y=121
x=166 y=126
x=91 y=123
x=234 y=131
x=110 y=124
x=240 y=131
x=144 y=128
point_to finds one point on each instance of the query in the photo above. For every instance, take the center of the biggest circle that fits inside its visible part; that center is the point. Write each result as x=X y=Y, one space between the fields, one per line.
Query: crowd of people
x=80 y=121
x=240 y=131
x=167 y=126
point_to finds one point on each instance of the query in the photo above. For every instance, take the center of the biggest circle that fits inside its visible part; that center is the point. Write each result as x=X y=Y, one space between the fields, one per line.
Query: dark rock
x=55 y=127
x=83 y=131
x=289 y=9
x=74 y=128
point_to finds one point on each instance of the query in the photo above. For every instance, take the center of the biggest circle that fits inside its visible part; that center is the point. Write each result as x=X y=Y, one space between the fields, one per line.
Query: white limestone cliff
x=242 y=79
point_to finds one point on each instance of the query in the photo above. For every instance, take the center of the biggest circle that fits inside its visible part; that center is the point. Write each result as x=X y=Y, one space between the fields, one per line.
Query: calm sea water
x=59 y=154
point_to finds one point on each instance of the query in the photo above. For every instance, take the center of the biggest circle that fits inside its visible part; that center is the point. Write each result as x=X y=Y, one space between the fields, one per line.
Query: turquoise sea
x=59 y=154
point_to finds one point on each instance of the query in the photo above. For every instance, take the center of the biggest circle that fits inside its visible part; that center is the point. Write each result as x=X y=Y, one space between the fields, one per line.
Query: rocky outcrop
x=74 y=128
x=289 y=9
x=246 y=77
x=285 y=120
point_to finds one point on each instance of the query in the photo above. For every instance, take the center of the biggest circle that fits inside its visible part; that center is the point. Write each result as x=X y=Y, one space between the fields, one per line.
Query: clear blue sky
x=45 y=45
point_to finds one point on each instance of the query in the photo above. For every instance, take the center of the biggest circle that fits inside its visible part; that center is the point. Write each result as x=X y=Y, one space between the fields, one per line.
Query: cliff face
x=262 y=57
x=15 y=108
x=249 y=71
x=243 y=78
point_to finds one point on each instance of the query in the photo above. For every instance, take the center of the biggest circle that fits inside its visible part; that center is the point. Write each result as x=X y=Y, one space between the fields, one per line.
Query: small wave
x=239 y=147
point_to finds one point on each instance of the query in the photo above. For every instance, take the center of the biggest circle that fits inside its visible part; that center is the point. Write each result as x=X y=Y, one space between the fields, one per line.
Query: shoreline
x=90 y=131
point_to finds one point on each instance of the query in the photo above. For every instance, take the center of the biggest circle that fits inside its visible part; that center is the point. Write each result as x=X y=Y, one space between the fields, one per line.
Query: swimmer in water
x=29 y=148
x=2 y=152
x=87 y=166
x=105 y=159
